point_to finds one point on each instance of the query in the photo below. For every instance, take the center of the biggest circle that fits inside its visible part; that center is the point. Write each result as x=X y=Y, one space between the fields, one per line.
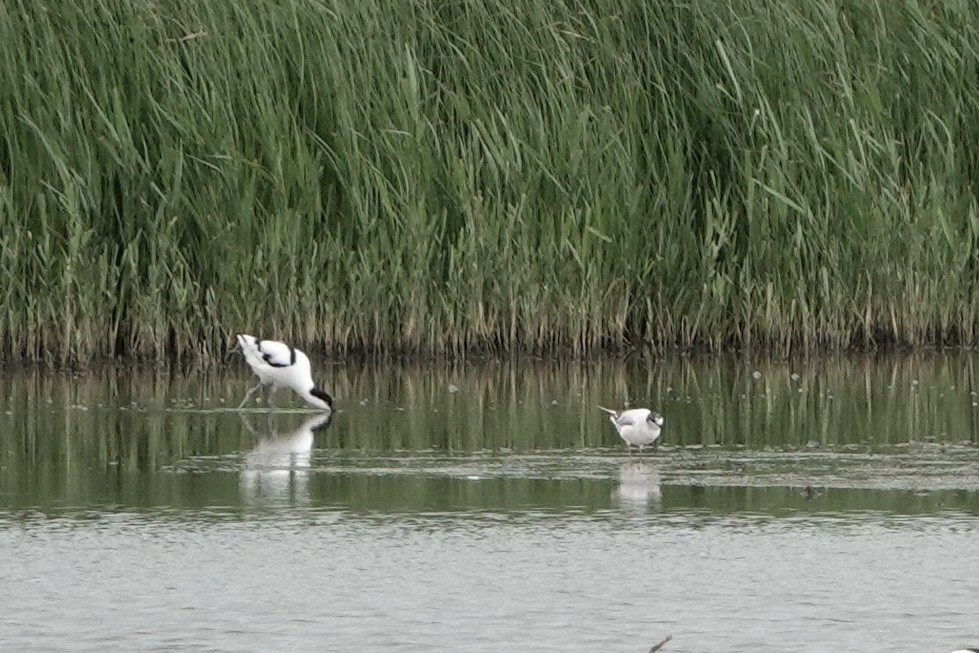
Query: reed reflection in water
x=122 y=433
x=463 y=506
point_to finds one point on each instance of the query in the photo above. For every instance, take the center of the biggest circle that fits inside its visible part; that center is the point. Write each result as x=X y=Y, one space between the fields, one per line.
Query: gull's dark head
x=656 y=419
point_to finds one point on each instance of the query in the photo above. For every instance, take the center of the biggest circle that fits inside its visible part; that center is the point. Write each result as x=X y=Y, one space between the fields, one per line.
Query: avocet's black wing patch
x=276 y=354
x=268 y=359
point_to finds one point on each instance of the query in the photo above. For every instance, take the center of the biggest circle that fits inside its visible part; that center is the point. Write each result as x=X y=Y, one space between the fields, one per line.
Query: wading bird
x=281 y=366
x=638 y=427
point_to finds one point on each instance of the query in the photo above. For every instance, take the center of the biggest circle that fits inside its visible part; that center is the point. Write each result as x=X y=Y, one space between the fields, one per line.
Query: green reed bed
x=456 y=175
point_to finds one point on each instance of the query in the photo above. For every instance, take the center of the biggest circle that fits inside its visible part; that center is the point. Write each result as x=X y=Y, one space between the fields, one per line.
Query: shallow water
x=821 y=505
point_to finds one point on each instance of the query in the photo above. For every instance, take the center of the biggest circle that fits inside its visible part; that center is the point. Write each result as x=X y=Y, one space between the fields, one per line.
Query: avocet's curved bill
x=638 y=427
x=279 y=365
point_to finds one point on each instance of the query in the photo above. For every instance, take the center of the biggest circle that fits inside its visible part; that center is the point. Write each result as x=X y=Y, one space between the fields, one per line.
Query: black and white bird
x=638 y=427
x=281 y=366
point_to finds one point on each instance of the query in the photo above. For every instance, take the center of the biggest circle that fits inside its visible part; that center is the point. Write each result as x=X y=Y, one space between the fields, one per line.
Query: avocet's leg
x=268 y=399
x=248 y=395
x=248 y=424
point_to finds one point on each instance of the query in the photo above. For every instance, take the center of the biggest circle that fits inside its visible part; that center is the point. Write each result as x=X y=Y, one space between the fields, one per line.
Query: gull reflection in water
x=638 y=485
x=277 y=468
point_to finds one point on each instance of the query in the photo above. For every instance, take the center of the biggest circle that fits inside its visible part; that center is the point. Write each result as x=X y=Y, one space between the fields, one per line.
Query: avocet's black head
x=322 y=396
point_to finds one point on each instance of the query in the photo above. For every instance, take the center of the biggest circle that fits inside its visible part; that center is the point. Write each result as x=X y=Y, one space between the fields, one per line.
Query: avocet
x=281 y=366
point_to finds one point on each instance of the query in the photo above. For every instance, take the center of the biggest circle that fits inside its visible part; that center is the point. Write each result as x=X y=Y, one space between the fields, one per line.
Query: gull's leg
x=249 y=394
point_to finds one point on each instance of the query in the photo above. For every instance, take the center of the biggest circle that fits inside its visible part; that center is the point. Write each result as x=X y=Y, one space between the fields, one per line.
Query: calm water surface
x=815 y=505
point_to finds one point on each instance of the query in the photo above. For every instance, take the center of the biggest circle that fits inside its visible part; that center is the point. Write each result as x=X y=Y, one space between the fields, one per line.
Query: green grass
x=447 y=176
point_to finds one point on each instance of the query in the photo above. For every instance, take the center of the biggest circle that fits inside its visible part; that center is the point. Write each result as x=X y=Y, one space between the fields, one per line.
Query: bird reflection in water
x=638 y=485
x=277 y=468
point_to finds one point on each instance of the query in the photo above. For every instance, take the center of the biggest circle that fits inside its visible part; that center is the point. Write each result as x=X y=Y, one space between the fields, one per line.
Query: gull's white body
x=281 y=366
x=638 y=427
